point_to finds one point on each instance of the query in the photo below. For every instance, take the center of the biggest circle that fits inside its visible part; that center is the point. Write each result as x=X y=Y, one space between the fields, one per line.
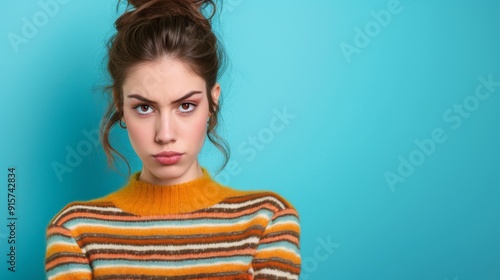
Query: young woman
x=171 y=220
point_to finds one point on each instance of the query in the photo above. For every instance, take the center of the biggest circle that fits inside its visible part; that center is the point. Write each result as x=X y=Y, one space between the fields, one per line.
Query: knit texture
x=195 y=230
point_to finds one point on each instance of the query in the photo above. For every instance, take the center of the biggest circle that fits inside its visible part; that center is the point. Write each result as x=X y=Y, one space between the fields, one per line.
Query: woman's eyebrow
x=144 y=99
x=186 y=96
x=141 y=98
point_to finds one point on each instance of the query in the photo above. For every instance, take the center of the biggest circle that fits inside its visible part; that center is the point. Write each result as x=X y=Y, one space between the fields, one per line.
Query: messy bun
x=151 y=29
x=138 y=3
x=151 y=9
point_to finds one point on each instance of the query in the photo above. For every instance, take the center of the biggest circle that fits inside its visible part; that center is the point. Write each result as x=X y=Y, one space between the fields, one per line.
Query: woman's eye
x=143 y=109
x=186 y=107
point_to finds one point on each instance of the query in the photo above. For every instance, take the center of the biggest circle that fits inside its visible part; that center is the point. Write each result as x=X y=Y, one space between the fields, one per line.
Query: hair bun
x=153 y=9
x=139 y=3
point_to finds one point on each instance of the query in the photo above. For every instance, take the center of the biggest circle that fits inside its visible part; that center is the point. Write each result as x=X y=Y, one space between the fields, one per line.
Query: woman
x=171 y=220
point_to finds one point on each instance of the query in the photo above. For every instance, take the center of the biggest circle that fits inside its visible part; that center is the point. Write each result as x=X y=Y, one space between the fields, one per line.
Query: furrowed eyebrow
x=186 y=96
x=142 y=98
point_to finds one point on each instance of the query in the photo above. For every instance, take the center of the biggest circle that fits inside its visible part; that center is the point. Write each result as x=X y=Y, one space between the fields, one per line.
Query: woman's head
x=155 y=41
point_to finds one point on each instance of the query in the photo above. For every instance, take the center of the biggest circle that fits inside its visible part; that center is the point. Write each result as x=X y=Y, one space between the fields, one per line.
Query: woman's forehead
x=162 y=75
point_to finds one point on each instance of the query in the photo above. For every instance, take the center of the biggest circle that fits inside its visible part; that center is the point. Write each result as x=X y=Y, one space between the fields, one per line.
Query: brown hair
x=150 y=30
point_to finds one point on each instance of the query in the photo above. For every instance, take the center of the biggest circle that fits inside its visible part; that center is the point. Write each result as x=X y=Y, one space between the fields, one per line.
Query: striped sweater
x=194 y=230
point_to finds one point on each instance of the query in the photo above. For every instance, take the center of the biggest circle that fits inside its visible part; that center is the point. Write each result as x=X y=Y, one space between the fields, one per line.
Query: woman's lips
x=168 y=157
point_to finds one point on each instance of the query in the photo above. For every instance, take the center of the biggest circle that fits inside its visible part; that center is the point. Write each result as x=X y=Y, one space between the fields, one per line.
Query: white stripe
x=103 y=209
x=238 y=205
x=252 y=240
x=69 y=271
x=279 y=248
x=65 y=244
x=96 y=224
x=279 y=223
x=177 y=266
x=277 y=273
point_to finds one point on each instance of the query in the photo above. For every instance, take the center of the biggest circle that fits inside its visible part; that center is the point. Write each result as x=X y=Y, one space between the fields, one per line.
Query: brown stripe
x=172 y=253
x=248 y=230
x=204 y=255
x=79 y=210
x=83 y=213
x=266 y=204
x=206 y=276
x=63 y=255
x=278 y=264
x=165 y=240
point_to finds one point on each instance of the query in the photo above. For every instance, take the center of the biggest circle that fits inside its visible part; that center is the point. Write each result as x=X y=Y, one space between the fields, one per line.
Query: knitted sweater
x=194 y=230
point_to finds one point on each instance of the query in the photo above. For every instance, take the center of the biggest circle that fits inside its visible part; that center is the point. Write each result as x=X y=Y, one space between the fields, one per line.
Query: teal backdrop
x=378 y=120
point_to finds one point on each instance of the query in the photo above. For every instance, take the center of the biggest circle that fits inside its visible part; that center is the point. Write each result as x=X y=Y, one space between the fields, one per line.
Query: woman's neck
x=147 y=199
x=171 y=175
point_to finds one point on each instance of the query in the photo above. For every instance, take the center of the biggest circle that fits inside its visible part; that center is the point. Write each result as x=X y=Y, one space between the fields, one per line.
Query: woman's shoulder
x=82 y=208
x=259 y=197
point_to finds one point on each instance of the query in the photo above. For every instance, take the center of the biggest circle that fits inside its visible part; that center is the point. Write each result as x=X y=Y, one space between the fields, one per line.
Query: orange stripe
x=285 y=212
x=56 y=248
x=283 y=227
x=56 y=230
x=174 y=231
x=63 y=260
x=100 y=271
x=279 y=265
x=251 y=195
x=288 y=237
x=174 y=257
x=74 y=275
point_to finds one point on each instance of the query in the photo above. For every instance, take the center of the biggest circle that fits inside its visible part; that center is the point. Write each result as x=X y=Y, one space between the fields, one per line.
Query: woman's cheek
x=199 y=129
x=137 y=135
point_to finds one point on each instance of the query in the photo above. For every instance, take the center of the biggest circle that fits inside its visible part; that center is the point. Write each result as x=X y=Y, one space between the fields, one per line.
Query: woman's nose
x=165 y=129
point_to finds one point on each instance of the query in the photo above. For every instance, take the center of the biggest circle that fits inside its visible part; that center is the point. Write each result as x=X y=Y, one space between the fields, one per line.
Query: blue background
x=354 y=118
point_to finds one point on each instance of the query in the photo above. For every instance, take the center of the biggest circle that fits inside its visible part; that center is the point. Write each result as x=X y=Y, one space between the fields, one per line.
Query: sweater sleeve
x=278 y=252
x=64 y=259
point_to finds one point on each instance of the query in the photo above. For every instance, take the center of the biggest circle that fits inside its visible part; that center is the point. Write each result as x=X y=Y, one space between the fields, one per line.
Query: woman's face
x=165 y=109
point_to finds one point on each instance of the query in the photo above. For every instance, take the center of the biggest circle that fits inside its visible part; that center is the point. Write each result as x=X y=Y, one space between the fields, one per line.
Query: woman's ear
x=216 y=93
x=116 y=100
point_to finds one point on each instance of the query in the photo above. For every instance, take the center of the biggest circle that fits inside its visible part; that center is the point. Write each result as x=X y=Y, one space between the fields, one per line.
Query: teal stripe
x=58 y=238
x=275 y=245
x=67 y=268
x=160 y=223
x=170 y=264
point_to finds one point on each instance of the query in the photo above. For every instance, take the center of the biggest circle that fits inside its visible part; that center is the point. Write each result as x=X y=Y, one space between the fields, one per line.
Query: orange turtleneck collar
x=145 y=199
